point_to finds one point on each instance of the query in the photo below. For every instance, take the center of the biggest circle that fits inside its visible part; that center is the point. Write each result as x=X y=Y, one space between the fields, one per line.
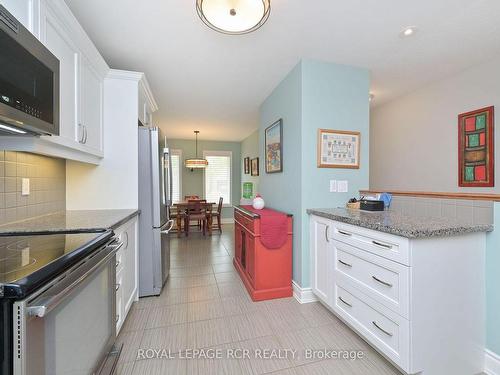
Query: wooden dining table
x=182 y=209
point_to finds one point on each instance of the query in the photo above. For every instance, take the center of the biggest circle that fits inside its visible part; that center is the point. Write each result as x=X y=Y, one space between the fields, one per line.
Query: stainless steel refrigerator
x=155 y=197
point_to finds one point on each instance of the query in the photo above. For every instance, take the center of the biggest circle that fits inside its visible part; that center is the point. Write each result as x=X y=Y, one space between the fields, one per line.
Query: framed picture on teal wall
x=274 y=147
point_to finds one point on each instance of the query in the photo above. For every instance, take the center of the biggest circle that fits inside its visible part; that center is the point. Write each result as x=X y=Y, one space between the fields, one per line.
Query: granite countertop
x=65 y=221
x=401 y=225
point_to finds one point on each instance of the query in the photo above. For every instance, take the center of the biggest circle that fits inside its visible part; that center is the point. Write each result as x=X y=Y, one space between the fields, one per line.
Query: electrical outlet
x=25 y=189
x=333 y=186
x=343 y=186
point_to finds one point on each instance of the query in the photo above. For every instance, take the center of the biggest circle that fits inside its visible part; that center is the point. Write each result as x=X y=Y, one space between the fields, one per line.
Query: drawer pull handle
x=383 y=330
x=382 y=244
x=344 y=263
x=344 y=302
x=117 y=264
x=117 y=318
x=344 y=233
x=117 y=286
x=382 y=281
x=326 y=233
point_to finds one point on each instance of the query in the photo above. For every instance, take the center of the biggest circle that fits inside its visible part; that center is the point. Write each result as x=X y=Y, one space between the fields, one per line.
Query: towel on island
x=273 y=227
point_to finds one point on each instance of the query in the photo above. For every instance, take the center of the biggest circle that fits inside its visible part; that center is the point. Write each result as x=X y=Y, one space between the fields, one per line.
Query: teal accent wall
x=493 y=285
x=192 y=182
x=282 y=190
x=250 y=148
x=313 y=95
x=333 y=97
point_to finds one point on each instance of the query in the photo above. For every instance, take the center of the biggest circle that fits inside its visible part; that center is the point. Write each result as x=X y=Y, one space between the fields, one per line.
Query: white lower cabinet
x=419 y=302
x=126 y=271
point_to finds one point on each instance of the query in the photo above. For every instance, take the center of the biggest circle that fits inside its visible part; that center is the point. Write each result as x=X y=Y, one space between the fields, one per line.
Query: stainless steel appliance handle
x=169 y=224
x=44 y=304
x=171 y=184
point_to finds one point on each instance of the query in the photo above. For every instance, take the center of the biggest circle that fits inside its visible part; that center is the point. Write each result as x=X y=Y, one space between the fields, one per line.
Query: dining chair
x=200 y=201
x=217 y=214
x=196 y=212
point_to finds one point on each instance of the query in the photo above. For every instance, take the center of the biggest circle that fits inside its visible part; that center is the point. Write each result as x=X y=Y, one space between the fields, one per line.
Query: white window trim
x=175 y=151
x=221 y=153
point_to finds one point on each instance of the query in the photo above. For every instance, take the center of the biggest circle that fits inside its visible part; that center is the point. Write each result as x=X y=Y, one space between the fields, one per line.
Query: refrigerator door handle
x=170 y=190
x=169 y=224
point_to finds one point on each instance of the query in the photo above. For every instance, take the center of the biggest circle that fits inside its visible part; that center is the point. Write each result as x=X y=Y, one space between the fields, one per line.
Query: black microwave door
x=29 y=82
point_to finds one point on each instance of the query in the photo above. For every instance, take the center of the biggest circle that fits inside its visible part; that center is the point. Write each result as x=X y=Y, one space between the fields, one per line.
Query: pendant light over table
x=196 y=162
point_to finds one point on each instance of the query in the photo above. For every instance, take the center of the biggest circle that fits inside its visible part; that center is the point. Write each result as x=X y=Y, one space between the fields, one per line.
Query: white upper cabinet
x=91 y=107
x=57 y=40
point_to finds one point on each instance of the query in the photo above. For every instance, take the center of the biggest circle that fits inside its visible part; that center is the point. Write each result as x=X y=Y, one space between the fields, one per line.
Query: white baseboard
x=228 y=220
x=491 y=363
x=303 y=295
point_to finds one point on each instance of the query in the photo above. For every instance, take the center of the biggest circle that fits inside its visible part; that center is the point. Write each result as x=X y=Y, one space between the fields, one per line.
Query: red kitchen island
x=263 y=252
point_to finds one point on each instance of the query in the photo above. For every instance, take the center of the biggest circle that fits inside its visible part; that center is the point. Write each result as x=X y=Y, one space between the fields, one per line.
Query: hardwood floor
x=205 y=306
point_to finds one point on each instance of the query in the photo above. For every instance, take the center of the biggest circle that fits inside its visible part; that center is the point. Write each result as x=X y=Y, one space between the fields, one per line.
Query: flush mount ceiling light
x=408 y=31
x=196 y=162
x=234 y=17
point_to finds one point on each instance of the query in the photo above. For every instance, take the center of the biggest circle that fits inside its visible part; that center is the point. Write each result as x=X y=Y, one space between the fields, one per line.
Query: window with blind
x=176 y=156
x=218 y=176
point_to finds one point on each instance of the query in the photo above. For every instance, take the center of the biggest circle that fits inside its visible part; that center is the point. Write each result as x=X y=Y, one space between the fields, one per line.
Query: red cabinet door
x=237 y=242
x=250 y=257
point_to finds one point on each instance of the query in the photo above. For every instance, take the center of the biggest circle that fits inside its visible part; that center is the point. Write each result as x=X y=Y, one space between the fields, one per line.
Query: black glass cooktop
x=26 y=262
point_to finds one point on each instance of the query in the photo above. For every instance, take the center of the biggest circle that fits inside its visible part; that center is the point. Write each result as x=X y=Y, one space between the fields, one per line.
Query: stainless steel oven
x=68 y=326
x=29 y=81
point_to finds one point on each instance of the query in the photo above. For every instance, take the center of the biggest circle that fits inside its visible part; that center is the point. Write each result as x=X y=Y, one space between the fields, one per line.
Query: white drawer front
x=385 y=245
x=387 y=332
x=383 y=280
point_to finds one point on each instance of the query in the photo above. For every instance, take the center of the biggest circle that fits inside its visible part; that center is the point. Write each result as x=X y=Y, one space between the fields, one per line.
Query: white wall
x=114 y=183
x=414 y=139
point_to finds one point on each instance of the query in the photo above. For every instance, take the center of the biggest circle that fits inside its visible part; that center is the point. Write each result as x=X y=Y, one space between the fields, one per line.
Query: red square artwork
x=470 y=124
x=480 y=173
x=476 y=148
x=482 y=139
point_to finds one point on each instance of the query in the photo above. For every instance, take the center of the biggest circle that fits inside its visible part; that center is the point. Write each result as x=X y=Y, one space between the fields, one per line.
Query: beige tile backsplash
x=471 y=211
x=47 y=185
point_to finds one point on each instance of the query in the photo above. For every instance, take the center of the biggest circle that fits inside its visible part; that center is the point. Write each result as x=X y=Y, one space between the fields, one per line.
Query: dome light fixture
x=196 y=162
x=408 y=31
x=234 y=17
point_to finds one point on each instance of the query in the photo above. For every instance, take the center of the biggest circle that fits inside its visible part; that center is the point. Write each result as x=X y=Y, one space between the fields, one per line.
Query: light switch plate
x=343 y=186
x=25 y=189
x=333 y=186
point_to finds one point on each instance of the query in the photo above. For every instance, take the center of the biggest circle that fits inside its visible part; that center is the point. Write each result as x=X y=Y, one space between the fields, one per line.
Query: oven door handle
x=43 y=304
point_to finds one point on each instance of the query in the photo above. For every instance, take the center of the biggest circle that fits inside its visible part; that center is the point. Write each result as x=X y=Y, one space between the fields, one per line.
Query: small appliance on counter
x=371 y=205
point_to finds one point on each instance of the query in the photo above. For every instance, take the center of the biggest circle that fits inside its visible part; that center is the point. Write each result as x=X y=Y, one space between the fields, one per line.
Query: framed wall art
x=476 y=148
x=274 y=147
x=255 y=167
x=246 y=165
x=338 y=149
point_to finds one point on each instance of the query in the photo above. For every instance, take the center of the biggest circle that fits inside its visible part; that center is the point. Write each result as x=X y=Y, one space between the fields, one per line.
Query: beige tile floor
x=204 y=306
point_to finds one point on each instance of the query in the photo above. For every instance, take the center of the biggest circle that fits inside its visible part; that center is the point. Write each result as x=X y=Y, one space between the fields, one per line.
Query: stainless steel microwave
x=29 y=82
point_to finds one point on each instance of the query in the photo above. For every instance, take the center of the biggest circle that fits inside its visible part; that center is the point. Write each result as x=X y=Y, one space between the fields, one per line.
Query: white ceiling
x=215 y=83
